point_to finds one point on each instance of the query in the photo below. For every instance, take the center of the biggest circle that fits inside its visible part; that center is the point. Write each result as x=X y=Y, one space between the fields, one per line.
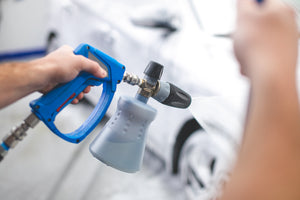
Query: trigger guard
x=46 y=107
x=92 y=121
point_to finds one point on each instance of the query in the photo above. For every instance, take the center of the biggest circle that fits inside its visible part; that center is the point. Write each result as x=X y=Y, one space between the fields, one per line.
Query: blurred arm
x=268 y=165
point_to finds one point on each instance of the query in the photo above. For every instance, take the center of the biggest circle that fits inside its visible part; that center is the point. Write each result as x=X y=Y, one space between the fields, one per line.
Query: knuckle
x=81 y=61
x=67 y=47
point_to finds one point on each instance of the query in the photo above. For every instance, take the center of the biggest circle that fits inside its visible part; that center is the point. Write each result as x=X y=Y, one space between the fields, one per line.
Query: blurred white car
x=186 y=36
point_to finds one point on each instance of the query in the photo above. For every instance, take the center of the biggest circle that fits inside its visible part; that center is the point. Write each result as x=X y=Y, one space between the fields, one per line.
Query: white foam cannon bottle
x=121 y=143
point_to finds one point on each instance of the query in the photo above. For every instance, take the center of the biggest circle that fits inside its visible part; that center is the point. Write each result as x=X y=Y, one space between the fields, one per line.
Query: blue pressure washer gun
x=121 y=142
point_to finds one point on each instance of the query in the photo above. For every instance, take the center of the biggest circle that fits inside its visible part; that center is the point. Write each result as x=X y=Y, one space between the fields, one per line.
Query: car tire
x=190 y=127
x=205 y=163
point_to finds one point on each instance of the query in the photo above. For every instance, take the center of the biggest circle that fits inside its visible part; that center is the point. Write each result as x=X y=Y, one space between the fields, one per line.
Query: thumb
x=91 y=66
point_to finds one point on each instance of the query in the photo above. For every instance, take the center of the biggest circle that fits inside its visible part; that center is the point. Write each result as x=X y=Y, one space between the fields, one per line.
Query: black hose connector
x=154 y=70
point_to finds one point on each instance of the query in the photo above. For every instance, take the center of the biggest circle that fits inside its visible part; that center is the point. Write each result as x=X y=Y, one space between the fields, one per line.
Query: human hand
x=266 y=39
x=63 y=65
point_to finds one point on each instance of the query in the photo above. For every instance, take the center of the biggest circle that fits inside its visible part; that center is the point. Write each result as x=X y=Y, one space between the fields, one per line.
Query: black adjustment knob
x=154 y=70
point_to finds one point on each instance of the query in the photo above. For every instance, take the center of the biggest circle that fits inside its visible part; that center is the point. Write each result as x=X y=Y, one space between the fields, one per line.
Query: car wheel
x=190 y=127
x=190 y=166
x=205 y=163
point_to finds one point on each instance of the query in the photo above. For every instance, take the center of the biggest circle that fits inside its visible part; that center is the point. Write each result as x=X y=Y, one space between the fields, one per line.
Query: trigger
x=94 y=58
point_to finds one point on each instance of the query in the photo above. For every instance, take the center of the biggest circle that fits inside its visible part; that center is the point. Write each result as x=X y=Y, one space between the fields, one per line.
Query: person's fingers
x=87 y=89
x=91 y=67
x=80 y=96
x=245 y=6
x=75 y=101
x=82 y=63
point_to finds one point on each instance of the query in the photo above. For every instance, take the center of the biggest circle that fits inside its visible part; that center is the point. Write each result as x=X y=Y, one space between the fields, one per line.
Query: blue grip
x=49 y=105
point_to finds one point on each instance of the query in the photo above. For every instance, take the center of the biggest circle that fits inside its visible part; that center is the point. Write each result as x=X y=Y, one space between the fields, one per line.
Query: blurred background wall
x=23 y=25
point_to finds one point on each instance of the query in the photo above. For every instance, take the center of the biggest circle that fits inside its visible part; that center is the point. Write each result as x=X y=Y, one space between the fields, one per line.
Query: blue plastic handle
x=49 y=105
